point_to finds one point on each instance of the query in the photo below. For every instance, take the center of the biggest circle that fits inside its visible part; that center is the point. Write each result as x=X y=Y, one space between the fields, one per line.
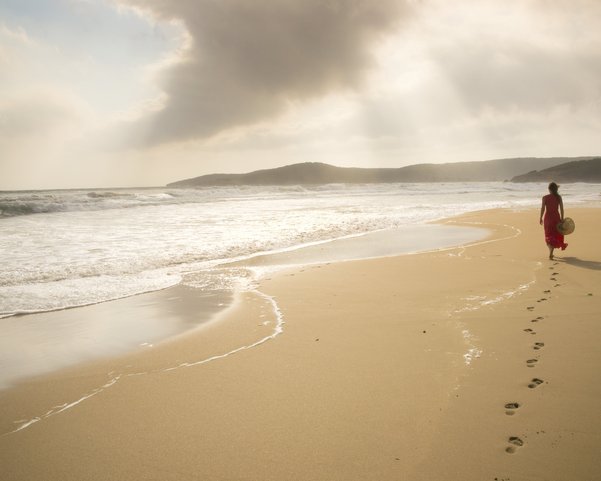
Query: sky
x=117 y=93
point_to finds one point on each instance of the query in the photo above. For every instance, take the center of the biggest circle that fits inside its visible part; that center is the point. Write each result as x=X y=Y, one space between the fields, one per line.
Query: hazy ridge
x=320 y=173
x=588 y=170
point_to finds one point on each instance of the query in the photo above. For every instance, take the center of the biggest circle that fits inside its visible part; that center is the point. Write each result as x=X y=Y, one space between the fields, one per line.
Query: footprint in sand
x=557 y=285
x=553 y=279
x=511 y=407
x=531 y=362
x=535 y=383
x=542 y=299
x=530 y=308
x=515 y=444
x=530 y=331
x=547 y=291
x=538 y=345
x=539 y=318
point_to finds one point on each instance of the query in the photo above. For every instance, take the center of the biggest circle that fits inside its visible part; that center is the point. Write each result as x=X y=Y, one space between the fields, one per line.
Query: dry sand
x=403 y=368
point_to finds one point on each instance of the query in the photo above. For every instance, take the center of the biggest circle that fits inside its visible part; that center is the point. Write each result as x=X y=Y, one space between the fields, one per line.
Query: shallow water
x=39 y=343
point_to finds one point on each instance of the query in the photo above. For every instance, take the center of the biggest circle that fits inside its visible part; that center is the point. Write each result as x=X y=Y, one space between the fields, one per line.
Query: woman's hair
x=553 y=187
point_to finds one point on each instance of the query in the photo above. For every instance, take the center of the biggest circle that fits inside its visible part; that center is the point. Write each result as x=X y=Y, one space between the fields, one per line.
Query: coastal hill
x=319 y=173
x=588 y=170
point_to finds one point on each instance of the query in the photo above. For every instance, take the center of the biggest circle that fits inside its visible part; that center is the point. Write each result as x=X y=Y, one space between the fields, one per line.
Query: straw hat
x=566 y=227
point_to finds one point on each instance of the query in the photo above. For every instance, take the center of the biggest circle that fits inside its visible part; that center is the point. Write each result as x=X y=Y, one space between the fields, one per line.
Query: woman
x=552 y=208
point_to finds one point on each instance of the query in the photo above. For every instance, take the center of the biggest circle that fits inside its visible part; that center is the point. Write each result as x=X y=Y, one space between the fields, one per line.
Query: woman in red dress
x=552 y=209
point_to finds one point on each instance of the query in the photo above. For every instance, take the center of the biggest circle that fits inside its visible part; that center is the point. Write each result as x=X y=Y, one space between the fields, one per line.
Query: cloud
x=18 y=34
x=39 y=113
x=530 y=55
x=248 y=61
x=460 y=81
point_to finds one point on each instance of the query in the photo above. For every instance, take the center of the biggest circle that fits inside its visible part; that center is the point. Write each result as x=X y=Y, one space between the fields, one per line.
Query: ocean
x=73 y=248
x=69 y=248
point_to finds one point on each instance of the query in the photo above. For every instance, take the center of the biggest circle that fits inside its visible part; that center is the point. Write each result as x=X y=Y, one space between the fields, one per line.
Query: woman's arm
x=542 y=211
x=561 y=207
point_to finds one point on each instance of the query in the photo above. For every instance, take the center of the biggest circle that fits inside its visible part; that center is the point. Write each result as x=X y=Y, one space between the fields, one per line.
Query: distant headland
x=524 y=169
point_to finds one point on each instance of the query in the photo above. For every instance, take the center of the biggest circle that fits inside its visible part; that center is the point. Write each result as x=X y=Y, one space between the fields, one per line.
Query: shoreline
x=367 y=381
x=65 y=337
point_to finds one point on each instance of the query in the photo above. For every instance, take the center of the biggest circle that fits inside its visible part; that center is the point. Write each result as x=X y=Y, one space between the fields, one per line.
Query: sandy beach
x=470 y=363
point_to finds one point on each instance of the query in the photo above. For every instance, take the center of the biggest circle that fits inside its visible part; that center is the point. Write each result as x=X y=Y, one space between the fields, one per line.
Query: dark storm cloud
x=250 y=59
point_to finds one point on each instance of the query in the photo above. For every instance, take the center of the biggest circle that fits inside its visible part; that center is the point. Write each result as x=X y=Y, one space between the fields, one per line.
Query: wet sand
x=469 y=363
x=39 y=343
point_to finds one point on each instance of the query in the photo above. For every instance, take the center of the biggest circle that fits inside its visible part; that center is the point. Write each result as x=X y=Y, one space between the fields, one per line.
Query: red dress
x=552 y=218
